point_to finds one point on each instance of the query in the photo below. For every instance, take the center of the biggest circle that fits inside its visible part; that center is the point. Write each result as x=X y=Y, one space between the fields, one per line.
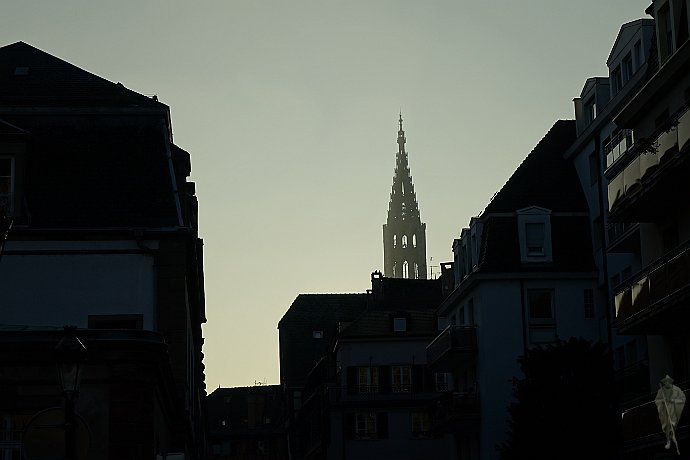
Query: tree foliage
x=565 y=405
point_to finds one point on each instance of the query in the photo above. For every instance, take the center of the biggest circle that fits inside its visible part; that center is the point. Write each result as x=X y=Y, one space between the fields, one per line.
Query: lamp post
x=70 y=353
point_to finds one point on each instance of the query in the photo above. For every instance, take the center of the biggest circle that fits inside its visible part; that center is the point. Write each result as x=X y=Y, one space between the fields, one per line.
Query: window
x=6 y=186
x=665 y=33
x=540 y=303
x=617 y=79
x=588 y=303
x=414 y=240
x=420 y=424
x=638 y=54
x=534 y=232
x=399 y=324
x=401 y=379
x=405 y=270
x=395 y=241
x=404 y=241
x=590 y=110
x=367 y=379
x=442 y=381
x=627 y=65
x=365 y=427
x=441 y=323
x=317 y=334
x=416 y=271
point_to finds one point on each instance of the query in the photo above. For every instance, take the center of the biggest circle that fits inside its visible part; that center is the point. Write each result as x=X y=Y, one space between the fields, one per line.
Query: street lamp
x=70 y=353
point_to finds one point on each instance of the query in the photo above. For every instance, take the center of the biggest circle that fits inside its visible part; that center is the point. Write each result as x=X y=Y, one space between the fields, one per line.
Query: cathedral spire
x=404 y=234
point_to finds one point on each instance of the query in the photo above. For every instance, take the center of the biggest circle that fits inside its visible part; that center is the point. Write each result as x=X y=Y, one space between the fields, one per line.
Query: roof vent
x=21 y=71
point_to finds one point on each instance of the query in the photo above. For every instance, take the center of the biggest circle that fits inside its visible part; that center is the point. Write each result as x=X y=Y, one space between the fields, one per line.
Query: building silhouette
x=104 y=237
x=404 y=234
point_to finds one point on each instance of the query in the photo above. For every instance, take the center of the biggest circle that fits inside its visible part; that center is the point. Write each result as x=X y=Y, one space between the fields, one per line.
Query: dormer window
x=617 y=79
x=534 y=233
x=399 y=324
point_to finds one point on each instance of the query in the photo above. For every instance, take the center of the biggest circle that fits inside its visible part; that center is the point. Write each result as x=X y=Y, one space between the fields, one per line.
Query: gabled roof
x=625 y=33
x=544 y=178
x=30 y=77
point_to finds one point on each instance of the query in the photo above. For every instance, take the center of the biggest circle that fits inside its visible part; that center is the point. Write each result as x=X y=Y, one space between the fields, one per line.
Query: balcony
x=623 y=237
x=618 y=146
x=453 y=344
x=653 y=303
x=457 y=410
x=643 y=183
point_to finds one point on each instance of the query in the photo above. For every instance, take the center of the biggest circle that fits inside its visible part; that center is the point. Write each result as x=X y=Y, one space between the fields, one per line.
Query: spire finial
x=400 y=120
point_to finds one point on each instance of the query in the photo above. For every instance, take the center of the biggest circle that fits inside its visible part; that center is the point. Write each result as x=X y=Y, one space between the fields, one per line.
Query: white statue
x=670 y=401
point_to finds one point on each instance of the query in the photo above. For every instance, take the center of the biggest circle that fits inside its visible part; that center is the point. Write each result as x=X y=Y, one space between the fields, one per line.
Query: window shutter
x=382 y=425
x=417 y=378
x=349 y=427
x=351 y=380
x=384 y=379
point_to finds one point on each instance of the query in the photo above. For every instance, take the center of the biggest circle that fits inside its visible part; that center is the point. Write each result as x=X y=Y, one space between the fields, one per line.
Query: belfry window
x=414 y=240
x=405 y=270
x=395 y=241
x=404 y=241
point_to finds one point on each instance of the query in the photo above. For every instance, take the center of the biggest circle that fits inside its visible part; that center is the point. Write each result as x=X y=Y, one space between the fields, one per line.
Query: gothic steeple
x=404 y=234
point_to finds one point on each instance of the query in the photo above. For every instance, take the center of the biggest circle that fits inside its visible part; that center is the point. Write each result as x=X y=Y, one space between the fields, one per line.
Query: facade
x=370 y=393
x=404 y=234
x=647 y=190
x=524 y=275
x=104 y=237
x=599 y=143
x=246 y=423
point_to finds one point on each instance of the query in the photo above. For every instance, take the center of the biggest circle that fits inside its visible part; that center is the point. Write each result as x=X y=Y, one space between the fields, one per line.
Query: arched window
x=404 y=241
x=394 y=265
x=406 y=270
x=414 y=240
x=402 y=187
x=395 y=241
x=416 y=271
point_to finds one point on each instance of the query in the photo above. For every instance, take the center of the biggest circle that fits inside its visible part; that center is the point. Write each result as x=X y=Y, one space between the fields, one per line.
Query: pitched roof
x=571 y=246
x=96 y=171
x=379 y=323
x=299 y=350
x=544 y=179
x=30 y=77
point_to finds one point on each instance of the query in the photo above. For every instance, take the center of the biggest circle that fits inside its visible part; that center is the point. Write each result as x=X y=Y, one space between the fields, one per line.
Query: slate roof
x=571 y=246
x=299 y=350
x=547 y=180
x=379 y=324
x=402 y=293
x=52 y=82
x=95 y=170
x=544 y=179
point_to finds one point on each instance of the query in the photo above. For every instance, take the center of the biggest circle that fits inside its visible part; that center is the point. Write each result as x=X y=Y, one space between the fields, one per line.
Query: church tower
x=404 y=234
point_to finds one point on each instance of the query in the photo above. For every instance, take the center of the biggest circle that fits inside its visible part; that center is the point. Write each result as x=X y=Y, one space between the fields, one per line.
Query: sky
x=290 y=112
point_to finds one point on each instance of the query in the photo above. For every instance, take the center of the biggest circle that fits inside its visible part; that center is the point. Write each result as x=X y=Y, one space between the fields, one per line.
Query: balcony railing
x=456 y=407
x=618 y=146
x=641 y=424
x=452 y=342
x=636 y=174
x=658 y=284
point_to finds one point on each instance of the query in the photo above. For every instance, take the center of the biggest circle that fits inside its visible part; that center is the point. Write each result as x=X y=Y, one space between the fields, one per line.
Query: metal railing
x=618 y=146
x=452 y=338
